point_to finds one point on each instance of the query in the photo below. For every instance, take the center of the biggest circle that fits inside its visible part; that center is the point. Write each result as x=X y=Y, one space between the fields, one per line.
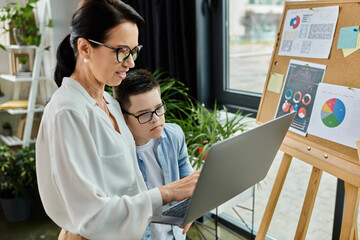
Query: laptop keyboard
x=177 y=210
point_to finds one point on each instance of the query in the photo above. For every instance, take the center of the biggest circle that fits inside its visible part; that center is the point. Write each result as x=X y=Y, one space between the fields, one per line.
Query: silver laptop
x=231 y=166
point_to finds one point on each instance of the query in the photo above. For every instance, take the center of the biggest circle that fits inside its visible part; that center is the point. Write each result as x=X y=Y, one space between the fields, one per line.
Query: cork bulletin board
x=340 y=70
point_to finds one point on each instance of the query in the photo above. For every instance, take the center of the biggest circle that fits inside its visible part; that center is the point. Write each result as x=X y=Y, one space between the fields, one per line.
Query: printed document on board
x=309 y=32
x=299 y=92
x=336 y=114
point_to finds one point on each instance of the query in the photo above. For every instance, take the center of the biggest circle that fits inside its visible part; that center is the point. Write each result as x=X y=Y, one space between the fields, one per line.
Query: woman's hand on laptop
x=180 y=189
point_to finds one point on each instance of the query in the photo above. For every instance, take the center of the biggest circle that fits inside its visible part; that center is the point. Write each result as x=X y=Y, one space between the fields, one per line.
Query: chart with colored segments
x=333 y=112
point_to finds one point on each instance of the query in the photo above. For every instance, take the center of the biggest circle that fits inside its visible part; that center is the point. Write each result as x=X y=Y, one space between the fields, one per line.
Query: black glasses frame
x=117 y=50
x=152 y=113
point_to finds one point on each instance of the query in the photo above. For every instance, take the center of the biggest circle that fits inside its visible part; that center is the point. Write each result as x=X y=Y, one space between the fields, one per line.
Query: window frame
x=233 y=100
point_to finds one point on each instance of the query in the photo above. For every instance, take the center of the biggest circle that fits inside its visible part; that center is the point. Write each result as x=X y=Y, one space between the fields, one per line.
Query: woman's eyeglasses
x=146 y=117
x=123 y=52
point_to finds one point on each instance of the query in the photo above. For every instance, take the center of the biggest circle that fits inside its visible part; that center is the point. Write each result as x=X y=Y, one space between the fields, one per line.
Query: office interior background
x=221 y=51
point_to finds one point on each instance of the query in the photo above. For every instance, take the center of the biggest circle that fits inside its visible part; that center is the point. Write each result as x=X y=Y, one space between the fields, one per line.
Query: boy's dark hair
x=136 y=82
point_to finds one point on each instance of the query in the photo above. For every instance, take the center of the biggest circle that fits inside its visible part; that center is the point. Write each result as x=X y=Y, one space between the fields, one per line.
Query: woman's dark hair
x=92 y=20
x=136 y=82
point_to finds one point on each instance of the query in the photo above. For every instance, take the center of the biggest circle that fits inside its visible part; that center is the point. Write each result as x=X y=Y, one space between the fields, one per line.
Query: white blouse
x=88 y=177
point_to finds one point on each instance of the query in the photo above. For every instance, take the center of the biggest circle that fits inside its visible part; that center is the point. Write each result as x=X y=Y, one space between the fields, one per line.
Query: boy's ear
x=126 y=117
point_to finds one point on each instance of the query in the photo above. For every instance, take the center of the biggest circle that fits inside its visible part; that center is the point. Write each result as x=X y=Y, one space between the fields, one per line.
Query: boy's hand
x=186 y=228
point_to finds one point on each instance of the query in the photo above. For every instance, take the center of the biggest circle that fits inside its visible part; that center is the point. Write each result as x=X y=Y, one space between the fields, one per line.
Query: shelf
x=14 y=78
x=20 y=47
x=39 y=67
x=13 y=140
x=24 y=110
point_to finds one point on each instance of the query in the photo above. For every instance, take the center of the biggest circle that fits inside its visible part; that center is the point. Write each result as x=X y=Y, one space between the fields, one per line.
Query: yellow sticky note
x=275 y=82
x=348 y=51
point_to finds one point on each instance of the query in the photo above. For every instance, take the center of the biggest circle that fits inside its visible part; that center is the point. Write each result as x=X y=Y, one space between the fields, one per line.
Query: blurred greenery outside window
x=253 y=27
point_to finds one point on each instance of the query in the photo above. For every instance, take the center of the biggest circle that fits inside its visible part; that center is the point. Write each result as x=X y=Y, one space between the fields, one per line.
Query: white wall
x=62 y=12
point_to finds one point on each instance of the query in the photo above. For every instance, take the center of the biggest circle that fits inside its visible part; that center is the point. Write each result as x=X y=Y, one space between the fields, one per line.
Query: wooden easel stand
x=347 y=171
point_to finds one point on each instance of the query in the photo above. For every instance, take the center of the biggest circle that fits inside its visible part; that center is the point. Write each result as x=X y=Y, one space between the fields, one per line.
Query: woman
x=88 y=176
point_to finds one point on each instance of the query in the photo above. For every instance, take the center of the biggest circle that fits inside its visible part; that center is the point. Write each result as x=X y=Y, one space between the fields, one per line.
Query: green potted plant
x=21 y=21
x=18 y=182
x=208 y=127
x=6 y=129
x=23 y=64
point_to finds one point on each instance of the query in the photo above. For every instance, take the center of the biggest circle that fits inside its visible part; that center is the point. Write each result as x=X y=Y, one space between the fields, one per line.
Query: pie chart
x=333 y=112
x=302 y=112
x=294 y=22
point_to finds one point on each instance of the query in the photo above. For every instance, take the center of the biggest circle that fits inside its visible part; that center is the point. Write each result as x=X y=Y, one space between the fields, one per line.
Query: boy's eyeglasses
x=146 y=117
x=123 y=52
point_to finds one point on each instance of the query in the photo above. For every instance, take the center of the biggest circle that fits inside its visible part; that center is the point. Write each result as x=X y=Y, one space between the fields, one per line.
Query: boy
x=160 y=148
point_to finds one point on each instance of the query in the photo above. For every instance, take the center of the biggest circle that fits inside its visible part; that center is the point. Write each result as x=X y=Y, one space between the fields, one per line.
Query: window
x=253 y=26
x=249 y=29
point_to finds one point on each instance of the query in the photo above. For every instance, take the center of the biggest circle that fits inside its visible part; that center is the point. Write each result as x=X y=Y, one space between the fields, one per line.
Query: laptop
x=231 y=166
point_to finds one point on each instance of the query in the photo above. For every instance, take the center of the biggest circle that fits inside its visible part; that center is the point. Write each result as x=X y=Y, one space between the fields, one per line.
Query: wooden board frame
x=324 y=155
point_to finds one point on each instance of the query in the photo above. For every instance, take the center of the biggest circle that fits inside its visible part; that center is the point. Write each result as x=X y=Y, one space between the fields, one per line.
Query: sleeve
x=185 y=168
x=79 y=181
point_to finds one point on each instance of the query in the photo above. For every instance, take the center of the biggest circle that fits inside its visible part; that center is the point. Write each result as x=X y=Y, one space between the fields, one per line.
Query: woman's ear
x=84 y=48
